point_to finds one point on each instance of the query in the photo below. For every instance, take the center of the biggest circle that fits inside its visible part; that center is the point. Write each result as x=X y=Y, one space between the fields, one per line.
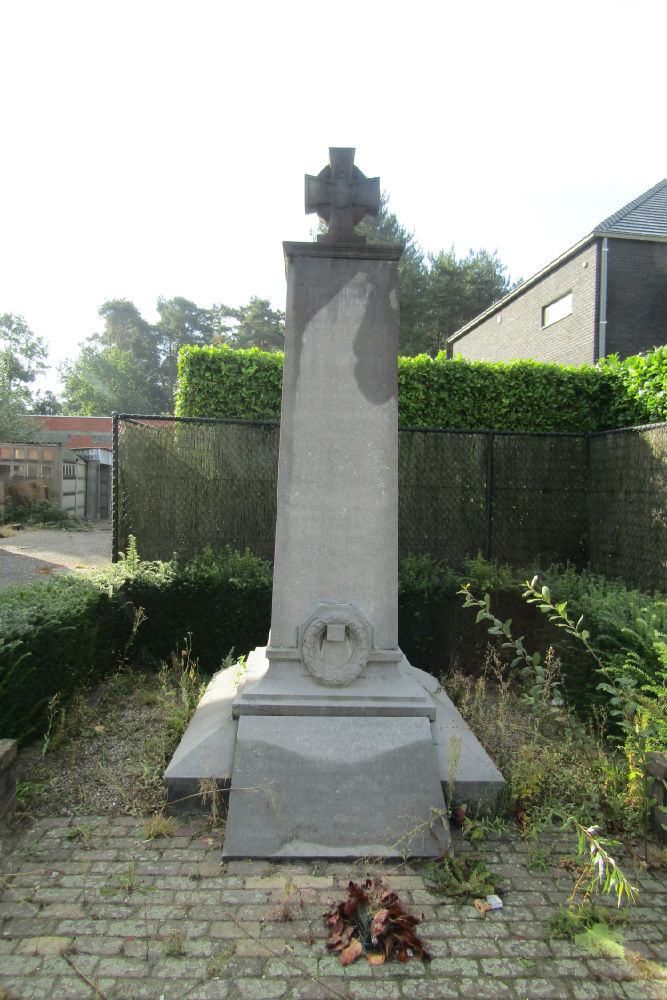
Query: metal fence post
x=114 y=487
x=489 y=493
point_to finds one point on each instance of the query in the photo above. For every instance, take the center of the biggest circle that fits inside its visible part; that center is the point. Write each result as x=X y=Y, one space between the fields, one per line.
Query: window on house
x=19 y=452
x=69 y=470
x=33 y=454
x=559 y=309
x=47 y=454
x=5 y=452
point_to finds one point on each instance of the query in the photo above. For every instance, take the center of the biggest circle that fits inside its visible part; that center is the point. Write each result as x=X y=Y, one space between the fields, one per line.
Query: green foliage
x=468 y=876
x=55 y=637
x=104 y=379
x=456 y=394
x=628 y=626
x=426 y=606
x=644 y=378
x=61 y=634
x=253 y=325
x=22 y=358
x=218 y=381
x=437 y=292
x=42 y=513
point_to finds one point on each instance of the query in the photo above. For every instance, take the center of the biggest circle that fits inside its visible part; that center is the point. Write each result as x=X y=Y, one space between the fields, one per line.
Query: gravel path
x=31 y=555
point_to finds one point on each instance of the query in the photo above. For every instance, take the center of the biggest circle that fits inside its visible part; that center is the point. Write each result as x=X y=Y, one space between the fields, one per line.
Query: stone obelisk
x=334 y=754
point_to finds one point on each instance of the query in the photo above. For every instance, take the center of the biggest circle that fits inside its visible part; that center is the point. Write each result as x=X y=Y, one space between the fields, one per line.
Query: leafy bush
x=468 y=395
x=42 y=513
x=59 y=635
x=624 y=625
x=62 y=633
x=220 y=382
x=224 y=601
x=56 y=636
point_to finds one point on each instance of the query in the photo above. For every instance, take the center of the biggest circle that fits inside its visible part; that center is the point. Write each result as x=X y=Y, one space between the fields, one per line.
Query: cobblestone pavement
x=90 y=908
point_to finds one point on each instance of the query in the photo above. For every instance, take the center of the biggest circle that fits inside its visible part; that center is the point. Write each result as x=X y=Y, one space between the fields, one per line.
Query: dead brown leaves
x=373 y=920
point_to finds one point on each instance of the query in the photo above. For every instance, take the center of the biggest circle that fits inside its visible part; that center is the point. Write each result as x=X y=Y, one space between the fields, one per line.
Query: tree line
x=132 y=365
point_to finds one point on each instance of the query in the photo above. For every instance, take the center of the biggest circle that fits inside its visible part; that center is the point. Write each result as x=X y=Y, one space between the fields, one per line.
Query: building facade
x=605 y=295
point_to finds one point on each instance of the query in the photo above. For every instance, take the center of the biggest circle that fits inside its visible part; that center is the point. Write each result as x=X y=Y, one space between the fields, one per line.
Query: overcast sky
x=158 y=148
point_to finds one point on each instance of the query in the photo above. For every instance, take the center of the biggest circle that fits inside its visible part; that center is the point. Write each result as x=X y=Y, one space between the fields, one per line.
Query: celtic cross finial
x=341 y=195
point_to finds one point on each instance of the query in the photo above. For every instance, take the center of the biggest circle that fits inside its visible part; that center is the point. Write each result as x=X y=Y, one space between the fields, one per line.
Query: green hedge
x=55 y=636
x=220 y=382
x=460 y=394
x=61 y=634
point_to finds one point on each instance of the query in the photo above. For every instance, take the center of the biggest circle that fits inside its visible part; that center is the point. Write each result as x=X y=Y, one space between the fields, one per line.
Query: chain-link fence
x=181 y=485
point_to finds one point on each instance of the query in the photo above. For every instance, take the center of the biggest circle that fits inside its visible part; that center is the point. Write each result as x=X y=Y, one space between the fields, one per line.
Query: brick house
x=605 y=295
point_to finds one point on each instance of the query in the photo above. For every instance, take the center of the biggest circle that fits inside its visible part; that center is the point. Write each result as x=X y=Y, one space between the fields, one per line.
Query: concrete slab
x=349 y=784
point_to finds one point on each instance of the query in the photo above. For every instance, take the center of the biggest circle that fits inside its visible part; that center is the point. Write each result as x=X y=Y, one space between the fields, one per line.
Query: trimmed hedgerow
x=59 y=635
x=55 y=636
x=458 y=394
x=220 y=382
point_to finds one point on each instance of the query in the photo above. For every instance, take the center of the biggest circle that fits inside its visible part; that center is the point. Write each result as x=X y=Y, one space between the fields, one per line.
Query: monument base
x=215 y=743
x=335 y=787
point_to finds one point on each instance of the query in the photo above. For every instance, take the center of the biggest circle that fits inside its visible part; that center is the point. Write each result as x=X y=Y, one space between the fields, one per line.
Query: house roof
x=645 y=218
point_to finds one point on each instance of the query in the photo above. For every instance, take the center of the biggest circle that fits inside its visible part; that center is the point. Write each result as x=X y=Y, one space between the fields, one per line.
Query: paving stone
x=226 y=929
x=594 y=990
x=507 y=954
x=324 y=989
x=452 y=965
x=98 y=944
x=49 y=945
x=473 y=947
x=362 y=990
x=479 y=989
x=511 y=948
x=261 y=988
x=273 y=947
x=20 y=964
x=432 y=989
x=542 y=989
x=645 y=991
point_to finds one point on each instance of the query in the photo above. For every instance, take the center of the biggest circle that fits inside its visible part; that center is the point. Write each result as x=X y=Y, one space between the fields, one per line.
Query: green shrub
x=55 y=636
x=59 y=635
x=220 y=382
x=623 y=624
x=223 y=601
x=458 y=394
x=42 y=513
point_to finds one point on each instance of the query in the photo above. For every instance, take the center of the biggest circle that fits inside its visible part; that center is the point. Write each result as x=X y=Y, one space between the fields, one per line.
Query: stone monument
x=341 y=747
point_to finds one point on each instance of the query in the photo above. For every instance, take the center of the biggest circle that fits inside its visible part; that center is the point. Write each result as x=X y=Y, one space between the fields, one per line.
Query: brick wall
x=637 y=296
x=519 y=334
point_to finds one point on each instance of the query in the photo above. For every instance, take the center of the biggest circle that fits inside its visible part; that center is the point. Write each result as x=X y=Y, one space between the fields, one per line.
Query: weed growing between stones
x=466 y=877
x=159 y=825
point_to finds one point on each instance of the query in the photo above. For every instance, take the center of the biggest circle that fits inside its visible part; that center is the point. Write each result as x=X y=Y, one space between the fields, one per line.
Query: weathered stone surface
x=333 y=787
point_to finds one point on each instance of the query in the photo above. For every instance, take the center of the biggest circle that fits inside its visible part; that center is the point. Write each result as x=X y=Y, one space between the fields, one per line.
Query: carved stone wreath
x=335 y=642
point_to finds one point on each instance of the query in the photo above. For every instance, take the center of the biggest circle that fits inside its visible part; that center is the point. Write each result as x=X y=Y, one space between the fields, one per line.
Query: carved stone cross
x=341 y=195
